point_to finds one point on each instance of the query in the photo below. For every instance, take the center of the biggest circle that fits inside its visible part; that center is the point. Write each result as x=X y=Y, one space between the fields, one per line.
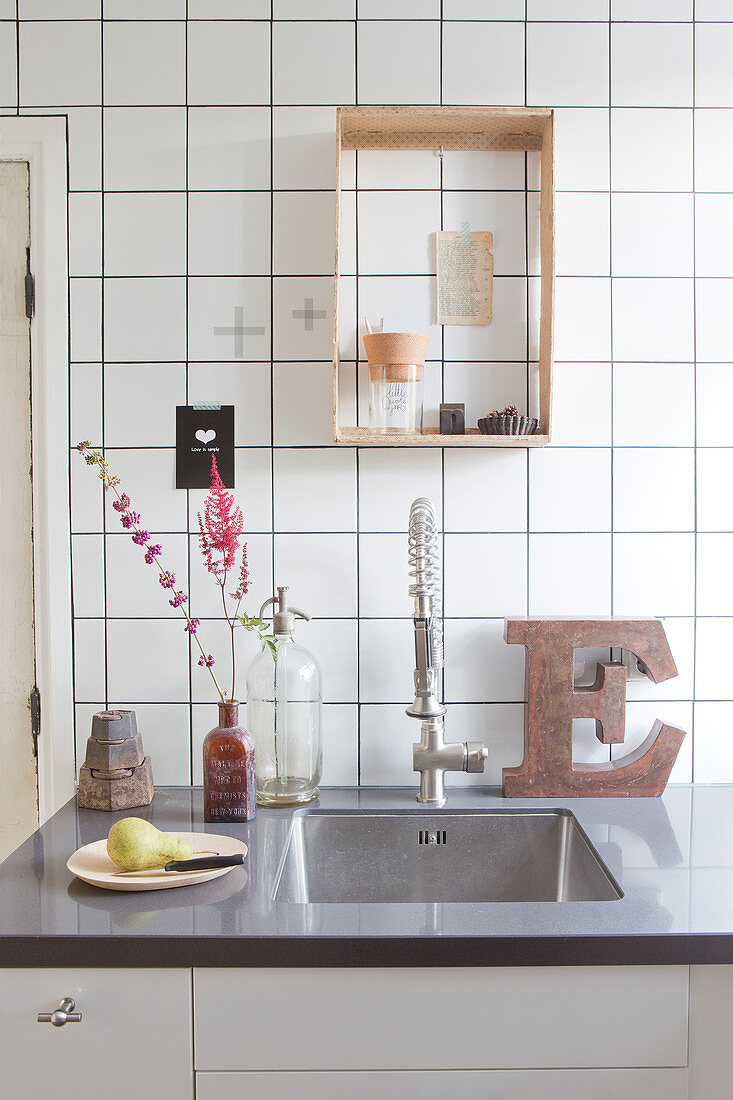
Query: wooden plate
x=92 y=864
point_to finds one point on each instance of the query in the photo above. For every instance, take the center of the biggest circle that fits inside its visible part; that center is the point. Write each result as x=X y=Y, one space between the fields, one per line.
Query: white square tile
x=84 y=129
x=481 y=9
x=252 y=493
x=586 y=747
x=651 y=149
x=228 y=148
x=713 y=77
x=86 y=402
x=400 y=9
x=681 y=638
x=229 y=9
x=135 y=669
x=86 y=498
x=399 y=169
x=481 y=169
x=85 y=234
x=714 y=500
x=714 y=393
x=712 y=664
x=397 y=232
x=653 y=319
x=570 y=574
x=46 y=77
x=145 y=234
x=570 y=490
x=582 y=241
x=389 y=481
x=317 y=9
x=653 y=10
x=399 y=62
x=669 y=389
x=386 y=661
x=482 y=387
x=49 y=9
x=86 y=319
x=503 y=213
x=303 y=394
x=333 y=642
x=383 y=577
x=244 y=385
x=707 y=11
x=641 y=240
x=713 y=149
x=485 y=491
x=713 y=305
x=713 y=749
x=157 y=75
x=145 y=319
x=500 y=561
x=653 y=574
x=218 y=305
x=205 y=594
x=568 y=10
x=501 y=728
x=466 y=76
x=583 y=319
x=304 y=147
x=581 y=149
x=406 y=303
x=143 y=9
x=651 y=65
x=134 y=420
x=479 y=666
x=567 y=64
x=304 y=233
x=582 y=405
x=640 y=719
x=228 y=233
x=505 y=338
x=714 y=577
x=133 y=588
x=166 y=736
x=228 y=63
x=320 y=571
x=299 y=506
x=387 y=735
x=8 y=65
x=313 y=63
x=144 y=150
x=653 y=489
x=149 y=479
x=87 y=554
x=303 y=310
x=340 y=731
x=89 y=652
x=713 y=234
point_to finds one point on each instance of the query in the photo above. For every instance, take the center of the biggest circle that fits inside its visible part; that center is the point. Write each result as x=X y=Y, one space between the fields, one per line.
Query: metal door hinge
x=35 y=699
x=30 y=296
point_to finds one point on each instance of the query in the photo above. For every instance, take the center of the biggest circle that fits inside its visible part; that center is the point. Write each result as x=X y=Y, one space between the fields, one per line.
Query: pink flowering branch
x=130 y=520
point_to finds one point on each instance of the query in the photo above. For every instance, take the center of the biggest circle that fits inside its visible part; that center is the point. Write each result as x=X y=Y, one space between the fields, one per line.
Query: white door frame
x=41 y=141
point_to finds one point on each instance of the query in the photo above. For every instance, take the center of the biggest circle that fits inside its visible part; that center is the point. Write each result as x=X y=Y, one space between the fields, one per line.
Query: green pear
x=136 y=845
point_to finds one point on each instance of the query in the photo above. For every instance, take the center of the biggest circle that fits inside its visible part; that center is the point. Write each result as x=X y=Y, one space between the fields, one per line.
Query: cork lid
x=396 y=347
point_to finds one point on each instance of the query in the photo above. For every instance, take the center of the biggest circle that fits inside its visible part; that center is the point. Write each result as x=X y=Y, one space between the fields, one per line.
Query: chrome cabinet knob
x=64 y=1014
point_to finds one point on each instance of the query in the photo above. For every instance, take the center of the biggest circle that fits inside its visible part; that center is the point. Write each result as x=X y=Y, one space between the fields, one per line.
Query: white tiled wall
x=201 y=174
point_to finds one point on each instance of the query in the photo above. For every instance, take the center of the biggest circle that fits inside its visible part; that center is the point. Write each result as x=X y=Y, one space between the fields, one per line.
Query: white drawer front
x=446 y=1018
x=134 y=1039
x=551 y=1084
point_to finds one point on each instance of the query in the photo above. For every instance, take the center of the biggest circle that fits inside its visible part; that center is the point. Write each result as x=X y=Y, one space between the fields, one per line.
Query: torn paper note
x=465 y=266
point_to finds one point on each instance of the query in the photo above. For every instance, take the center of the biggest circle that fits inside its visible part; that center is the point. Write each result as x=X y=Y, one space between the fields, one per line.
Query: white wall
x=197 y=187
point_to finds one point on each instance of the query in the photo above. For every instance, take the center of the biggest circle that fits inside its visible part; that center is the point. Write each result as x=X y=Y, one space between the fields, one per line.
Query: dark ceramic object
x=507 y=425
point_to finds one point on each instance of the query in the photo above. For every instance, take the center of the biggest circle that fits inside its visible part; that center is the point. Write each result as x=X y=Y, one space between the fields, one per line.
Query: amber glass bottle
x=230 y=792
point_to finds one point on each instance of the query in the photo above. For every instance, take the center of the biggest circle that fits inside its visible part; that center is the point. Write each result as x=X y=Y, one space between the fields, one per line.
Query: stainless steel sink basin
x=416 y=856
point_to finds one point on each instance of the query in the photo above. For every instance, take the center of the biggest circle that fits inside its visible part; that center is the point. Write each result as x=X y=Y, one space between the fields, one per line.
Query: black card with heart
x=201 y=433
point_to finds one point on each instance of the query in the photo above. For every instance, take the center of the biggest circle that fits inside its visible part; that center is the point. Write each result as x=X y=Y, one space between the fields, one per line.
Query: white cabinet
x=711 y=1028
x=463 y=1018
x=134 y=1039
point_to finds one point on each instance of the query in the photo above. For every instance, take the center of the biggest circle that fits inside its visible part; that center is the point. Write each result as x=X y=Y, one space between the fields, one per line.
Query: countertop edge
x=348 y=951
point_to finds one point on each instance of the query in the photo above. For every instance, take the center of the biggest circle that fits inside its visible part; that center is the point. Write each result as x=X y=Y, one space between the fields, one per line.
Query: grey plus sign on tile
x=308 y=314
x=239 y=330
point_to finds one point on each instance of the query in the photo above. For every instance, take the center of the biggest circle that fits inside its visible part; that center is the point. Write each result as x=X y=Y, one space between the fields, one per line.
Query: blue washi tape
x=207 y=406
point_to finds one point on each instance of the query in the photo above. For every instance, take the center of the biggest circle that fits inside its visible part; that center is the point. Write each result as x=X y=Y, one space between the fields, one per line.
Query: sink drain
x=425 y=836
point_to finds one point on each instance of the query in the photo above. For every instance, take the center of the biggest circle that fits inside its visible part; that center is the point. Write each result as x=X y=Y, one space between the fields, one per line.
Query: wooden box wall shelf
x=507 y=129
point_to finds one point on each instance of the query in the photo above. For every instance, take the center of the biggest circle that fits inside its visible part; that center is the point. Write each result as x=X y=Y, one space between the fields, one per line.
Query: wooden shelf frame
x=507 y=129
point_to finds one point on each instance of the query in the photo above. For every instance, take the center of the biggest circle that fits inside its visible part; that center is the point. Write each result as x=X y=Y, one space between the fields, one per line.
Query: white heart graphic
x=205 y=437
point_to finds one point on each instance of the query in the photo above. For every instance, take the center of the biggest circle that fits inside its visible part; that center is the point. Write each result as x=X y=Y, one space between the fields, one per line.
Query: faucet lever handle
x=476 y=754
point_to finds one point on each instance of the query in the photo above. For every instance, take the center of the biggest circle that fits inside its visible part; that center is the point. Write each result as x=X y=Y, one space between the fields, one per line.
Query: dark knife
x=200 y=863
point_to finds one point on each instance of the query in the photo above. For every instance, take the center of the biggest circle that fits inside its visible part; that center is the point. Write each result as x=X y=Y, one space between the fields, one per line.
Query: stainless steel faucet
x=432 y=757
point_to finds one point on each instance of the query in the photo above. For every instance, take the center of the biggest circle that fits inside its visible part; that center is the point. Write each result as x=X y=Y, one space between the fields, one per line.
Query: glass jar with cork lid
x=396 y=363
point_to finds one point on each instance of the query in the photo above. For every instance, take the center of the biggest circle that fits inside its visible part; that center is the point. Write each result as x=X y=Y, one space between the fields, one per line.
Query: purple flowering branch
x=130 y=520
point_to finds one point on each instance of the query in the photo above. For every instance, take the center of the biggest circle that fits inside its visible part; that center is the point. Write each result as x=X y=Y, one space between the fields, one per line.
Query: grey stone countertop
x=672 y=857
